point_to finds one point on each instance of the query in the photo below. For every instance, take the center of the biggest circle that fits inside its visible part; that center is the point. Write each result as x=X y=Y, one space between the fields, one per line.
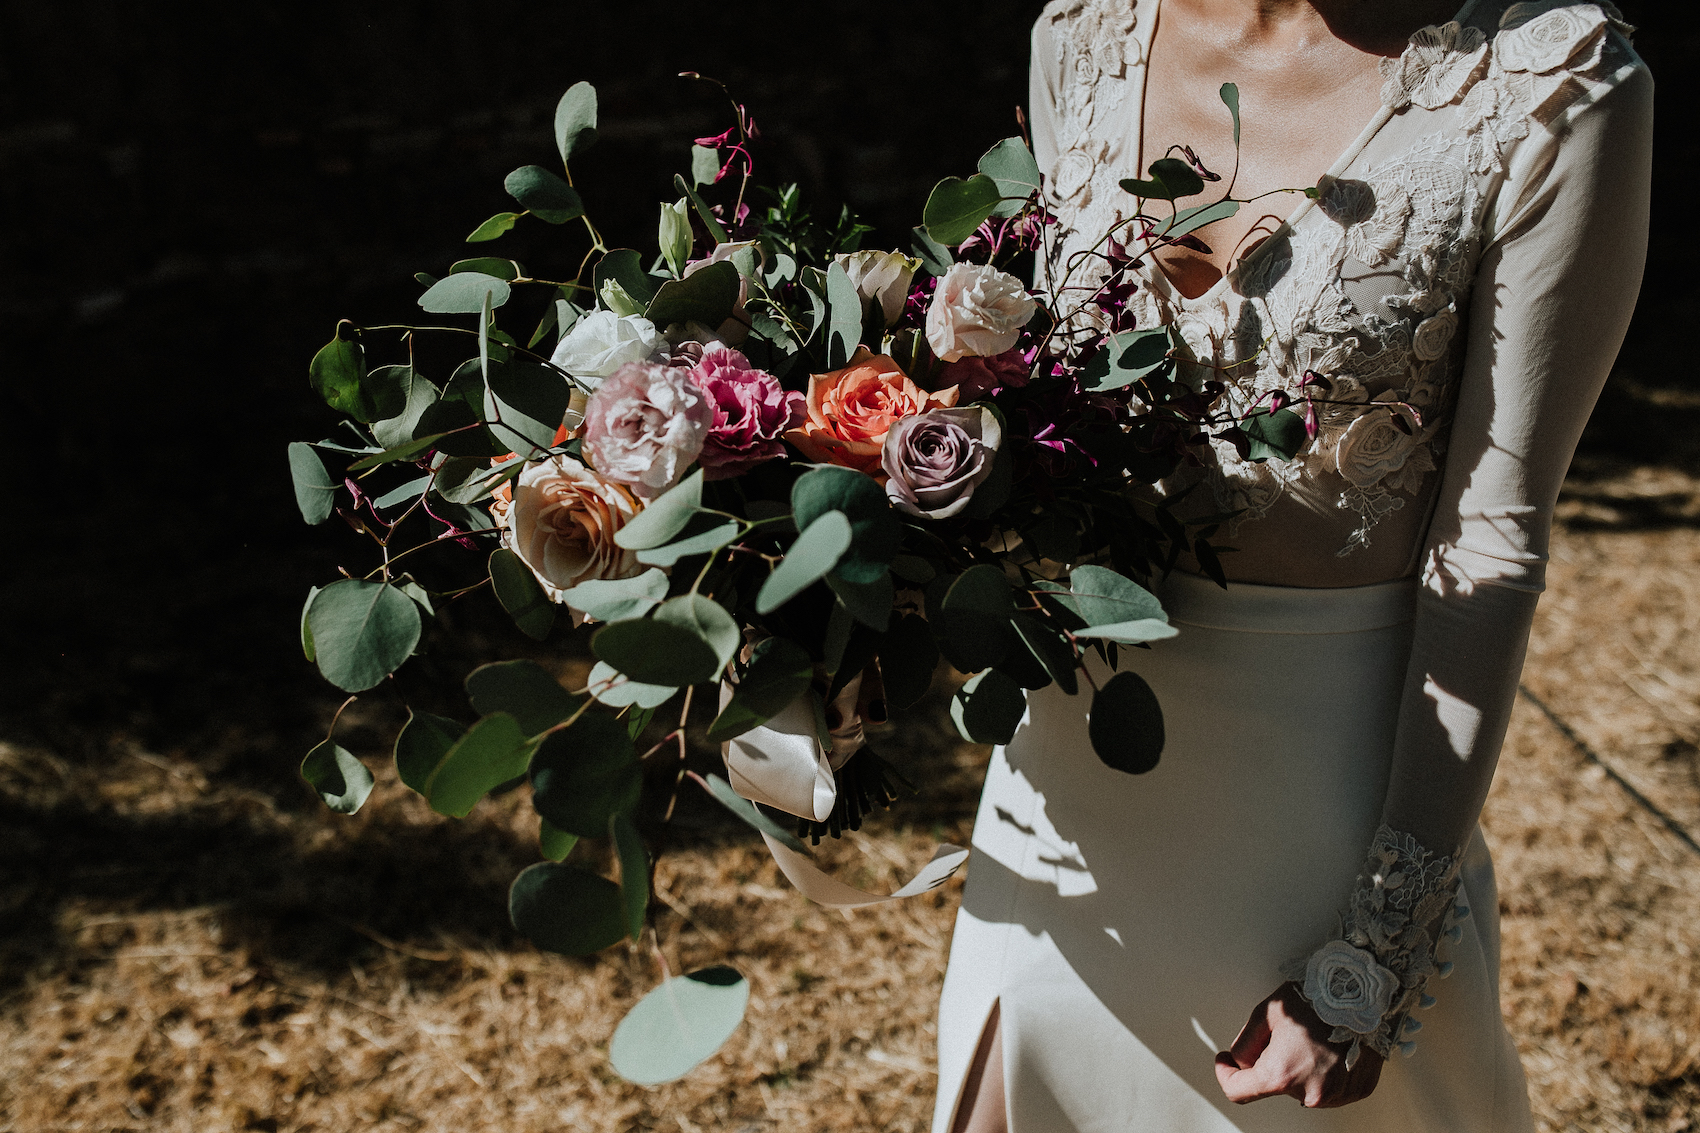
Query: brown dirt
x=200 y=957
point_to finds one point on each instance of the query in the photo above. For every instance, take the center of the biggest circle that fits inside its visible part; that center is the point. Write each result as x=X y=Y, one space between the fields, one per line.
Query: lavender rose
x=645 y=425
x=934 y=461
x=750 y=411
x=976 y=310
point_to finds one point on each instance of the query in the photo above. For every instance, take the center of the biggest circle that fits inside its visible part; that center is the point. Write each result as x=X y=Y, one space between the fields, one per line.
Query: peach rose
x=562 y=521
x=851 y=410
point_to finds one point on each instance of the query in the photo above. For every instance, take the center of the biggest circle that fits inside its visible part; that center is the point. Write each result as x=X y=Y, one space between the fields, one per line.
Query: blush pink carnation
x=645 y=425
x=750 y=412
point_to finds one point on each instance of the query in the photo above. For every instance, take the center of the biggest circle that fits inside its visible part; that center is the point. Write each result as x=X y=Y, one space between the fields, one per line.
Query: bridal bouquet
x=758 y=459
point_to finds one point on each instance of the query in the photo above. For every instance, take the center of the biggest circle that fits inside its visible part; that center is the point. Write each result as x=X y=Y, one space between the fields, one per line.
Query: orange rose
x=851 y=410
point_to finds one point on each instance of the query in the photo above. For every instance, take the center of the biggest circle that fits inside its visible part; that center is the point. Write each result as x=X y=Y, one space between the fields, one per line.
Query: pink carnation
x=644 y=426
x=750 y=410
x=976 y=377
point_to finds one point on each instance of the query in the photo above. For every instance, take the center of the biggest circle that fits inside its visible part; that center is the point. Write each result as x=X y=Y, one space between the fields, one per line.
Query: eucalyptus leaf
x=530 y=401
x=610 y=600
x=664 y=517
x=780 y=671
x=489 y=265
x=362 y=632
x=1279 y=435
x=634 y=871
x=876 y=530
x=908 y=656
x=1171 y=178
x=343 y=782
x=553 y=843
x=575 y=120
x=418 y=394
x=707 y=619
x=625 y=267
x=338 y=374
x=972 y=624
x=707 y=296
x=1050 y=649
x=1126 y=724
x=566 y=909
x=492 y=228
x=306 y=630
x=712 y=539
x=1102 y=596
x=464 y=293
x=422 y=744
x=678 y=1026
x=315 y=491
x=716 y=230
x=1192 y=219
x=493 y=751
x=935 y=257
x=844 y=331
x=988 y=708
x=1231 y=99
x=955 y=208
x=1010 y=164
x=655 y=652
x=586 y=773
x=611 y=687
x=870 y=602
x=520 y=594
x=1131 y=633
x=524 y=690
x=544 y=194
x=816 y=551
x=1127 y=357
x=705 y=165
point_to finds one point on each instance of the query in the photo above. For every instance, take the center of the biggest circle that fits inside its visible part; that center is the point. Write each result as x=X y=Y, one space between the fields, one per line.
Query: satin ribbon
x=782 y=764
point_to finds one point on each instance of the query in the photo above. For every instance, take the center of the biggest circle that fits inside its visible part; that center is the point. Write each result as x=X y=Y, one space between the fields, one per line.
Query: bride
x=1268 y=915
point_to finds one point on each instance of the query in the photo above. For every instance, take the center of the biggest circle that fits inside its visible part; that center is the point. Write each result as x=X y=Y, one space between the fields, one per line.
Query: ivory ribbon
x=834 y=894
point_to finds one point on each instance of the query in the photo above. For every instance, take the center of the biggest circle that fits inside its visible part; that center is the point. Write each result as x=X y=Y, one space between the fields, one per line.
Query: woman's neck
x=1380 y=27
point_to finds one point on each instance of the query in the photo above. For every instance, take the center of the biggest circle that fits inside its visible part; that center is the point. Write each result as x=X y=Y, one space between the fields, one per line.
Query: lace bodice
x=1369 y=285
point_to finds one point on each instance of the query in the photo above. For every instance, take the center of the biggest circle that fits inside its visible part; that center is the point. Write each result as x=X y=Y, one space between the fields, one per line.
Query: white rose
x=562 y=522
x=601 y=342
x=881 y=277
x=1348 y=988
x=977 y=311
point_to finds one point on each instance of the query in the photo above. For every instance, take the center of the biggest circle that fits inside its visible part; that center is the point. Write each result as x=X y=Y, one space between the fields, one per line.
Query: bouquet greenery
x=765 y=459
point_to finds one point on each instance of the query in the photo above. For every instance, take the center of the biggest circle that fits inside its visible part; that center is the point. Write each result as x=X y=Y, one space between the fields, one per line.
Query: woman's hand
x=1284 y=1049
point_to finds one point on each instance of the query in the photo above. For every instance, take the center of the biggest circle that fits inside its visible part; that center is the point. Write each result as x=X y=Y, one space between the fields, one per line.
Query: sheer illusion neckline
x=1148 y=265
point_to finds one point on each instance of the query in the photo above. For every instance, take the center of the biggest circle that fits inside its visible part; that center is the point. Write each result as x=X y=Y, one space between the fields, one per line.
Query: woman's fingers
x=1265 y=1079
x=1253 y=1037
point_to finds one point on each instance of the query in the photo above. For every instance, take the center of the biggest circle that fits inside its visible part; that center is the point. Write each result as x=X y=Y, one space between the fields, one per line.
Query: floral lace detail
x=1412 y=221
x=1366 y=983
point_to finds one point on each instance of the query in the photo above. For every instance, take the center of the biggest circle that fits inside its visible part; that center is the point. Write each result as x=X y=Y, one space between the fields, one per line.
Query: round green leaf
x=524 y=690
x=566 y=909
x=1126 y=724
x=362 y=632
x=341 y=779
x=1131 y=633
x=1050 y=648
x=1011 y=165
x=876 y=531
x=870 y=602
x=463 y=294
x=634 y=870
x=1103 y=597
x=609 y=686
x=988 y=708
x=545 y=195
x=707 y=296
x=417 y=396
x=553 y=843
x=679 y=1025
x=490 y=265
x=610 y=600
x=338 y=370
x=707 y=619
x=972 y=619
x=520 y=594
x=575 y=120
x=306 y=630
x=584 y=774
x=493 y=227
x=908 y=656
x=315 y=491
x=493 y=751
x=711 y=538
x=664 y=517
x=955 y=208
x=780 y=671
x=421 y=746
x=656 y=653
x=817 y=550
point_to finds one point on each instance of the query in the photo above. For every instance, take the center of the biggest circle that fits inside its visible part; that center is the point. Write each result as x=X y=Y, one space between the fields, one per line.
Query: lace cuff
x=1367 y=983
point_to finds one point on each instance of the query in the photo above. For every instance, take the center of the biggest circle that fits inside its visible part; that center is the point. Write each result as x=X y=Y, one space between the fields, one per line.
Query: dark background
x=192 y=194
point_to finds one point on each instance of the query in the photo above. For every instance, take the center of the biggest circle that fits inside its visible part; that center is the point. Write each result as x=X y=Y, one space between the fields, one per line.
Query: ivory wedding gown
x=1471 y=262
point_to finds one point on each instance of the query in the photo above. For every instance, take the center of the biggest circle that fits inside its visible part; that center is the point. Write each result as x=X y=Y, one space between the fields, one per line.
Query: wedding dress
x=1463 y=281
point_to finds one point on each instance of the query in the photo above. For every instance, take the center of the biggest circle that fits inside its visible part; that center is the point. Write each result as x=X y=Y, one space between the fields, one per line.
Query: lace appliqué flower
x=1434 y=68
x=1366 y=983
x=1539 y=38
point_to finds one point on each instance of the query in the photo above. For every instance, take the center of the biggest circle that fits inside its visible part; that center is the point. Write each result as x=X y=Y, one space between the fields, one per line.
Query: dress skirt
x=1127 y=925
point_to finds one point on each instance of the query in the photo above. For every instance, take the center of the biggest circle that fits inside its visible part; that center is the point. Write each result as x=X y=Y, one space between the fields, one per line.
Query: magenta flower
x=750 y=412
x=934 y=460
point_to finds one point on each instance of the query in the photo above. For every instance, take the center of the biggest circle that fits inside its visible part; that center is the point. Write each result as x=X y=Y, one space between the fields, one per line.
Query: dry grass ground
x=186 y=953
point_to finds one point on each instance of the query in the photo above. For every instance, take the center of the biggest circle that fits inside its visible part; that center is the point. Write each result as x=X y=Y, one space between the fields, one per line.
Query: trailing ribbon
x=834 y=894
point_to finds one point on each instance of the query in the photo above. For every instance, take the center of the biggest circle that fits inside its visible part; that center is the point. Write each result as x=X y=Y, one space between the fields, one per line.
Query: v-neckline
x=1154 y=272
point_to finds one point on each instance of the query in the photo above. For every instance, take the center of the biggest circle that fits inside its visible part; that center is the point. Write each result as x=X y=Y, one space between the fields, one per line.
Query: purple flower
x=750 y=411
x=976 y=377
x=935 y=460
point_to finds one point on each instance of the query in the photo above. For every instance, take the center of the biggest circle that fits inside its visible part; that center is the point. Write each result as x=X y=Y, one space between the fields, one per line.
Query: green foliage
x=1171 y=179
x=1126 y=724
x=1011 y=166
x=421 y=746
x=876 y=530
x=869 y=602
x=464 y=293
x=1128 y=357
x=780 y=671
x=492 y=228
x=971 y=622
x=665 y=516
x=611 y=600
x=520 y=594
x=625 y=267
x=1103 y=597
x=705 y=165
x=988 y=708
x=341 y=780
x=586 y=773
x=678 y=1025
x=489 y=265
x=1053 y=652
x=543 y=194
x=674 y=236
x=610 y=687
x=844 y=326
x=575 y=120
x=1189 y=220
x=816 y=551
x=491 y=752
x=338 y=373
x=955 y=208
x=716 y=230
x=908 y=656
x=656 y=652
x=315 y=491
x=566 y=909
x=529 y=402
x=306 y=630
x=1280 y=434
x=417 y=395
x=709 y=621
x=703 y=535
x=707 y=296
x=1231 y=99
x=634 y=871
x=524 y=690
x=553 y=843
x=721 y=792
x=362 y=632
